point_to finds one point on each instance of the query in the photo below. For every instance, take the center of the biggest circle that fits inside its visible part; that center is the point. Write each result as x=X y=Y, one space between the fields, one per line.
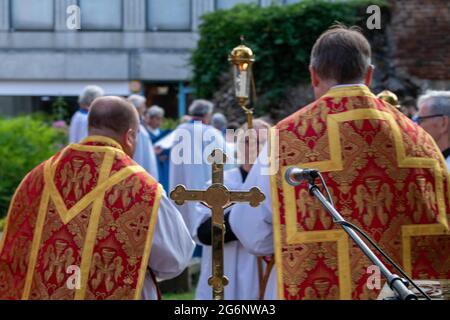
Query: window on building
x=291 y=1
x=227 y=4
x=169 y=15
x=32 y=14
x=101 y=14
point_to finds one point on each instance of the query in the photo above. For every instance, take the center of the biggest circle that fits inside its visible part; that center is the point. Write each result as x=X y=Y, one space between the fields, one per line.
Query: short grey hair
x=219 y=121
x=200 y=108
x=155 y=111
x=439 y=101
x=137 y=101
x=89 y=94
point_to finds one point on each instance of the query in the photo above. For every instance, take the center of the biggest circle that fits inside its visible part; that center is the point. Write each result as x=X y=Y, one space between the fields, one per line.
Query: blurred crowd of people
x=154 y=143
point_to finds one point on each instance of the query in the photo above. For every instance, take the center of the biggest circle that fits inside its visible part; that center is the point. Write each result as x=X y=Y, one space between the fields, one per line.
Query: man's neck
x=104 y=133
x=331 y=85
x=198 y=119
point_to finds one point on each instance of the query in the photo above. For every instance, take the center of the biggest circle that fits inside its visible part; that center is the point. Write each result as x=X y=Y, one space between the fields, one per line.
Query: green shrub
x=280 y=36
x=169 y=123
x=2 y=224
x=24 y=143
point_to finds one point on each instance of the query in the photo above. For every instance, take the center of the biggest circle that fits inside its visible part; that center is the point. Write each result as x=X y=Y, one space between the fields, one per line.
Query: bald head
x=112 y=114
x=116 y=118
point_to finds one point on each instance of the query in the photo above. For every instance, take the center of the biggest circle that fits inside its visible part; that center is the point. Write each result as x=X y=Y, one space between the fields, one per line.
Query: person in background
x=144 y=154
x=240 y=267
x=434 y=117
x=79 y=123
x=219 y=121
x=384 y=173
x=185 y=118
x=153 y=118
x=188 y=163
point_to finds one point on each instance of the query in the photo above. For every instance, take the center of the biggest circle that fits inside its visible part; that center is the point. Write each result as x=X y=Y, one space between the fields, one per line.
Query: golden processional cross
x=217 y=197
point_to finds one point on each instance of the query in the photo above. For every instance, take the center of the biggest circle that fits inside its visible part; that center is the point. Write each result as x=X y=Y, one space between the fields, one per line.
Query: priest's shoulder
x=38 y=172
x=297 y=114
x=143 y=176
x=35 y=177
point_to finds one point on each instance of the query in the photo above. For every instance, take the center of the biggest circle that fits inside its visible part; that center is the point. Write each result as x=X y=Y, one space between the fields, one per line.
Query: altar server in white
x=240 y=266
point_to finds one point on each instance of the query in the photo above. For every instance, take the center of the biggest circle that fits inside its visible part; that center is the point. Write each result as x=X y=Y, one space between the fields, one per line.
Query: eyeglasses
x=419 y=120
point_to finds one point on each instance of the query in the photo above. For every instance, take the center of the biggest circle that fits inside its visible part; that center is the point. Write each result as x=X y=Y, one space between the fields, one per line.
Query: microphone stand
x=397 y=284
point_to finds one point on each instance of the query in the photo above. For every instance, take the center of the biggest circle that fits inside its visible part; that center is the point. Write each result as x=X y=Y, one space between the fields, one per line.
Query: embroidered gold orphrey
x=385 y=174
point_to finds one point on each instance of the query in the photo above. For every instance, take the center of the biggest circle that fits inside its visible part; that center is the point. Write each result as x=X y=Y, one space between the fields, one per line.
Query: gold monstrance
x=242 y=58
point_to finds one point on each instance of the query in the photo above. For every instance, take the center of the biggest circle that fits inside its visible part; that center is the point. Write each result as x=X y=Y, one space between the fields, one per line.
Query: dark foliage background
x=281 y=38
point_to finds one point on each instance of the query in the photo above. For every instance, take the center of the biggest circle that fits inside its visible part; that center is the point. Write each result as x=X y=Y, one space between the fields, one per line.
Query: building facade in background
x=123 y=46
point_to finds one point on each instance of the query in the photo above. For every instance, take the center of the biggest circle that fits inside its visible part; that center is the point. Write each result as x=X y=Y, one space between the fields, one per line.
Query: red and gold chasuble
x=80 y=226
x=385 y=175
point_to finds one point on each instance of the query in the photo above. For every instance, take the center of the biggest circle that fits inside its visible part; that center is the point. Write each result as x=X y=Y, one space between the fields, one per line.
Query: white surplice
x=171 y=250
x=144 y=154
x=253 y=226
x=240 y=267
x=78 y=129
x=193 y=141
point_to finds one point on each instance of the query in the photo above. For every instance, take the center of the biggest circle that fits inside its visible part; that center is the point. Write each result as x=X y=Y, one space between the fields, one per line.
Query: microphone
x=294 y=176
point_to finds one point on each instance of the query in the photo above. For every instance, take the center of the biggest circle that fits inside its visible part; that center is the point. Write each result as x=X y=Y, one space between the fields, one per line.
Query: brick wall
x=420 y=35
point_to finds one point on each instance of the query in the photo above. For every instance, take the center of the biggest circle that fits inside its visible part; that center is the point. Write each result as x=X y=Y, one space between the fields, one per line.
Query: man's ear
x=314 y=78
x=446 y=124
x=126 y=138
x=369 y=75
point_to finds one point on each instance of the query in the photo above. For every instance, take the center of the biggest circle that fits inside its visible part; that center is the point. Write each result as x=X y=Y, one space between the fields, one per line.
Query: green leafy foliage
x=60 y=109
x=24 y=143
x=280 y=36
x=2 y=224
x=169 y=124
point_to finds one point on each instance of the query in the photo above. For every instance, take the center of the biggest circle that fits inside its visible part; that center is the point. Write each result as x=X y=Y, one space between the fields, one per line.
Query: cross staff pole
x=217 y=197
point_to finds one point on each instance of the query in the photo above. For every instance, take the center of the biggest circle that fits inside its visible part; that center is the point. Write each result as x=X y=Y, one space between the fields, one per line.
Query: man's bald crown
x=113 y=114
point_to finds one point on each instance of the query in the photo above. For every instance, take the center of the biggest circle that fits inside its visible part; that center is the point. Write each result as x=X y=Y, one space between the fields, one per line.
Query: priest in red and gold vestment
x=89 y=222
x=385 y=174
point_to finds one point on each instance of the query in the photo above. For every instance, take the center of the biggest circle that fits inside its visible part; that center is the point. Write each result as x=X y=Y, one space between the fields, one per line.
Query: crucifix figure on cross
x=217 y=197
